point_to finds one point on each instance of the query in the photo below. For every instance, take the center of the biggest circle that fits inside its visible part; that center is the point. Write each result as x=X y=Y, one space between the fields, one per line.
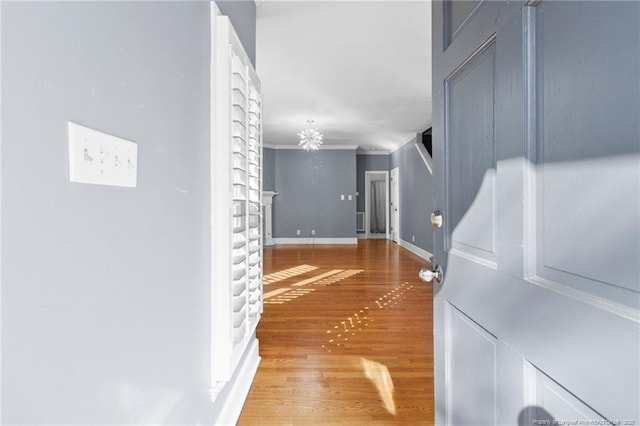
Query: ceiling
x=360 y=69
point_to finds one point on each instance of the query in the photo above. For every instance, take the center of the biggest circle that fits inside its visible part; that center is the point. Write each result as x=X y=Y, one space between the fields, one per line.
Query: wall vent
x=359 y=221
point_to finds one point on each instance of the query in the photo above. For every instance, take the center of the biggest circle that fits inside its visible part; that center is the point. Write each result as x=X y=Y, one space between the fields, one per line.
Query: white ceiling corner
x=360 y=69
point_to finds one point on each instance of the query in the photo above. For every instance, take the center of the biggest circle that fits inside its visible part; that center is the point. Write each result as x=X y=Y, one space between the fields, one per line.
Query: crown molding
x=322 y=148
x=373 y=152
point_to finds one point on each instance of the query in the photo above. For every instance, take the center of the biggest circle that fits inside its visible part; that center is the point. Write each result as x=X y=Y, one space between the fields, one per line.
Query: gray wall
x=242 y=14
x=416 y=192
x=268 y=169
x=105 y=291
x=309 y=185
x=368 y=163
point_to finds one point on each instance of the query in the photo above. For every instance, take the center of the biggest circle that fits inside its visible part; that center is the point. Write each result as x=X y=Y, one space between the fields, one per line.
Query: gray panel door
x=536 y=139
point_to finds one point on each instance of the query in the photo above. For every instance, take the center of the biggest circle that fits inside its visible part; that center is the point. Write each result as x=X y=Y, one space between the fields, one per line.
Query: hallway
x=345 y=337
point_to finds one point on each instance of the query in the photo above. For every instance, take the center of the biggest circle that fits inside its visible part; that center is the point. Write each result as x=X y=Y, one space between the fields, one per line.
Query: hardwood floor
x=345 y=338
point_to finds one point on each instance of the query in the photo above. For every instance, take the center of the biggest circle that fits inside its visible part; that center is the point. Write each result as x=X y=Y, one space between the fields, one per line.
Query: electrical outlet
x=297 y=232
x=101 y=159
x=350 y=197
x=342 y=197
x=313 y=232
x=413 y=238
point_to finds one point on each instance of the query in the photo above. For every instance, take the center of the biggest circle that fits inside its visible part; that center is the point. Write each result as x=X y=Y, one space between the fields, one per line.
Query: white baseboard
x=239 y=387
x=363 y=236
x=415 y=249
x=315 y=240
x=378 y=236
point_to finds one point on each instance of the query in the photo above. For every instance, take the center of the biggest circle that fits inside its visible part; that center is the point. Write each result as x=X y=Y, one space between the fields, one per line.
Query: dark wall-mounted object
x=424 y=138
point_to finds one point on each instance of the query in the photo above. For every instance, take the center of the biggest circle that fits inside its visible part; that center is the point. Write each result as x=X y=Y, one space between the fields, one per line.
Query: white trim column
x=267 y=205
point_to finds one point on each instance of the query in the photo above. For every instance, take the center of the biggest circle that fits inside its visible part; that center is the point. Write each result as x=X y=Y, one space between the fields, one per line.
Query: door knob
x=436 y=218
x=428 y=275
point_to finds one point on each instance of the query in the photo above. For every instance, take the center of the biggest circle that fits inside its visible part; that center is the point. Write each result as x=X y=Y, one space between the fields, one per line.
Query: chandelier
x=310 y=138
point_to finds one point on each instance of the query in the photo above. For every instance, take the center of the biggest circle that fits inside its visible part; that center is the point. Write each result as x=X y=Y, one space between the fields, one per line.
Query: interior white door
x=394 y=205
x=536 y=140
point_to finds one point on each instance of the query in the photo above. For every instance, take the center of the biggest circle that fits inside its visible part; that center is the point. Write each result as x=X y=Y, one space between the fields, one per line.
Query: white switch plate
x=350 y=197
x=101 y=159
x=342 y=197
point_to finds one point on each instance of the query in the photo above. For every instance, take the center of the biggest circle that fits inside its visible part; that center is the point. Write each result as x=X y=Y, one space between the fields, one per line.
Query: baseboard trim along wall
x=239 y=387
x=315 y=240
x=415 y=249
x=378 y=237
x=362 y=236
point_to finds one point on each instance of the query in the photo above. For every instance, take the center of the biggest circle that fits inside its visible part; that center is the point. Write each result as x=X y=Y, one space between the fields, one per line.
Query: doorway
x=376 y=204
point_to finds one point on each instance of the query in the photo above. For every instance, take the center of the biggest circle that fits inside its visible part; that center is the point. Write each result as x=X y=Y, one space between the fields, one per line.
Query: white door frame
x=368 y=177
x=395 y=210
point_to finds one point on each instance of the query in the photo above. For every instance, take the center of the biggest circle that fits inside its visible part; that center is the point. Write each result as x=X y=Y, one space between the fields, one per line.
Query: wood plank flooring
x=345 y=338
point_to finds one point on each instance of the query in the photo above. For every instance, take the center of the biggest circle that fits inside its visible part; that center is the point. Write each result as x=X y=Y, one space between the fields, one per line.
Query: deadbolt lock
x=436 y=218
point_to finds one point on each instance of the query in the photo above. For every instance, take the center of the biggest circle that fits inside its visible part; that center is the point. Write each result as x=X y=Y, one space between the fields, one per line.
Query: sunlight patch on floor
x=287 y=273
x=316 y=278
x=339 y=335
x=381 y=379
x=339 y=277
x=351 y=325
x=393 y=297
x=286 y=294
x=274 y=293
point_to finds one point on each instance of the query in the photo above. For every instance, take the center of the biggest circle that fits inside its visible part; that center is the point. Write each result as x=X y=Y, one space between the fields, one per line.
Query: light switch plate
x=101 y=159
